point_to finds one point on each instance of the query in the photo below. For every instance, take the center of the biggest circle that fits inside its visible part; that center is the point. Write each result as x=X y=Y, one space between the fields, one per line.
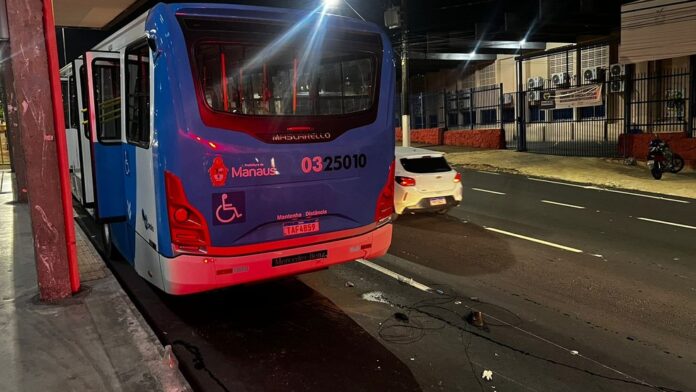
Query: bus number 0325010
x=333 y=163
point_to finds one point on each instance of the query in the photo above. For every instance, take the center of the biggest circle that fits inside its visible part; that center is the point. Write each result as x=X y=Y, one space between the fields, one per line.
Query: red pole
x=61 y=142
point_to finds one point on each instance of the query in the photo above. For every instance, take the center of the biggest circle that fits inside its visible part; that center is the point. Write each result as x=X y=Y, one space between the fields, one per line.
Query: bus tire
x=107 y=241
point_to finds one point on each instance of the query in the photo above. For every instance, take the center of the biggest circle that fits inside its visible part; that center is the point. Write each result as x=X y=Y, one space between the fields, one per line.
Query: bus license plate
x=438 y=201
x=296 y=228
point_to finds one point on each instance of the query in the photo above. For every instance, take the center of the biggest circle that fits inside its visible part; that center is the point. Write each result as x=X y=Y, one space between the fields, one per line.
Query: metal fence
x=473 y=108
x=661 y=102
x=577 y=131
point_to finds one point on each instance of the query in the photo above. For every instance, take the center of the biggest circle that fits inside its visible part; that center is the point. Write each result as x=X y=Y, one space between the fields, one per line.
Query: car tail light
x=188 y=228
x=405 y=181
x=458 y=177
x=385 y=201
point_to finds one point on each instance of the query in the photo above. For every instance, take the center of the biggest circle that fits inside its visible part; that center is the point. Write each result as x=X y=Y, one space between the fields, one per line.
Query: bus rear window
x=308 y=75
x=425 y=165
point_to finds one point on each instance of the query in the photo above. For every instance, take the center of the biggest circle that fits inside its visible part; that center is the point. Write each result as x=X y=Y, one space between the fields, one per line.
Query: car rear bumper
x=188 y=274
x=424 y=205
x=407 y=200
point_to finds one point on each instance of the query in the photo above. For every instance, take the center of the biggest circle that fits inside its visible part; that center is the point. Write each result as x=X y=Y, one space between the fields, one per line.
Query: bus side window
x=138 y=95
x=107 y=100
x=72 y=92
x=83 y=88
x=65 y=90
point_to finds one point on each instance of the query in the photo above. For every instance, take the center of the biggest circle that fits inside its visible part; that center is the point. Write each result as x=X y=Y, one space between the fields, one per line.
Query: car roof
x=414 y=152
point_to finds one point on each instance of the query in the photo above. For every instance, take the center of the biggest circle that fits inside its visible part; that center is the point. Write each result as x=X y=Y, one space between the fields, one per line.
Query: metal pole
x=627 y=94
x=445 y=108
x=691 y=103
x=405 y=108
x=42 y=140
x=521 y=111
x=501 y=107
x=471 y=108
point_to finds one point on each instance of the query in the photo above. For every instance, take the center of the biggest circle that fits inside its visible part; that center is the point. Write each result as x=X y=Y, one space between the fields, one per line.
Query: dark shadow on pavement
x=454 y=247
x=273 y=336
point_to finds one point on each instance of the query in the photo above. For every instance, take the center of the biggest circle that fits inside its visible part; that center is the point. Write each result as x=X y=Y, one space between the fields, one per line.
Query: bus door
x=83 y=172
x=103 y=75
x=67 y=82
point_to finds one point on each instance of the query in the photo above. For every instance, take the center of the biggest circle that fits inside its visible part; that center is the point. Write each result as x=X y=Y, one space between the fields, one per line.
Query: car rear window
x=426 y=165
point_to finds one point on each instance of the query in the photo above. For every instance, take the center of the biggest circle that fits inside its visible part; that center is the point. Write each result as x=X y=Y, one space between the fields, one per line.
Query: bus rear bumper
x=189 y=274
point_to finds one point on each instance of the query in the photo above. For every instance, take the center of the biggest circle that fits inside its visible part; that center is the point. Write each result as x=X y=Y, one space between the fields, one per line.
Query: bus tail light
x=188 y=228
x=385 y=202
x=405 y=181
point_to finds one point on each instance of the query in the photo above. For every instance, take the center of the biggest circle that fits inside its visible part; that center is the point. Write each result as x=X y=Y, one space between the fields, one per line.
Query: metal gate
x=573 y=131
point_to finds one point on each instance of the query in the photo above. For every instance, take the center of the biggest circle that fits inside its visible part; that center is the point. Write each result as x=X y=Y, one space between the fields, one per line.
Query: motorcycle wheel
x=656 y=171
x=677 y=163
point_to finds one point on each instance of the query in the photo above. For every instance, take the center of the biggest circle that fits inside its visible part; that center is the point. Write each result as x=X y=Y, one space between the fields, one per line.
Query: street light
x=331 y=3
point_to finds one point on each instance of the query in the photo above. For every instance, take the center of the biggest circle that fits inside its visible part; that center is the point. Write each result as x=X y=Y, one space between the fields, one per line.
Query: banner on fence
x=574 y=97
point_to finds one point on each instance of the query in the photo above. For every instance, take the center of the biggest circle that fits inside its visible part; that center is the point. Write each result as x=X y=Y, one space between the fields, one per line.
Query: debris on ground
x=375 y=296
x=457 y=302
x=401 y=317
x=487 y=375
x=475 y=318
x=350 y=284
x=574 y=352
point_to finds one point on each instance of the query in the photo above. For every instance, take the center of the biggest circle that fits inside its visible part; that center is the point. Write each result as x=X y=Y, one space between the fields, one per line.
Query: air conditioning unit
x=508 y=99
x=535 y=83
x=593 y=74
x=560 y=79
x=674 y=94
x=616 y=86
x=464 y=99
x=534 y=96
x=617 y=71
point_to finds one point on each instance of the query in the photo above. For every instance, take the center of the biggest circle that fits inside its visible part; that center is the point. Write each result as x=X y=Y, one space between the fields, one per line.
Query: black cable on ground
x=417 y=330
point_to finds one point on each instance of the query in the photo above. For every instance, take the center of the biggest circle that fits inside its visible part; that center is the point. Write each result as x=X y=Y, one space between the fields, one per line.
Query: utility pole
x=405 y=107
x=41 y=135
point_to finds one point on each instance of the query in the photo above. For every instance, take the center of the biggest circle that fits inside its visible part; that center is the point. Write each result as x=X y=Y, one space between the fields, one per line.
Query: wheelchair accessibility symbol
x=228 y=208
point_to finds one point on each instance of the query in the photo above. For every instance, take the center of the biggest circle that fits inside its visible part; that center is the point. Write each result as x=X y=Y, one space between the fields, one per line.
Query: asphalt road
x=581 y=289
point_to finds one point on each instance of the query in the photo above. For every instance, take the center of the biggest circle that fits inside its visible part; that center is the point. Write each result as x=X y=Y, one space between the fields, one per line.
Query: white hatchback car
x=425 y=182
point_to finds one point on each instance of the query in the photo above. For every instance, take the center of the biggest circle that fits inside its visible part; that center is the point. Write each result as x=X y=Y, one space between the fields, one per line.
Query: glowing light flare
x=331 y=3
x=279 y=43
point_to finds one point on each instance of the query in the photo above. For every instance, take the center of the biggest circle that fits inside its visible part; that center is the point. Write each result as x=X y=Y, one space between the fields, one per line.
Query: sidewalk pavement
x=603 y=172
x=95 y=341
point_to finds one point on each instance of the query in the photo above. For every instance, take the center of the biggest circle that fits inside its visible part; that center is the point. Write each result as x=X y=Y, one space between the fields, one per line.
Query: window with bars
x=468 y=81
x=487 y=75
x=597 y=56
x=562 y=62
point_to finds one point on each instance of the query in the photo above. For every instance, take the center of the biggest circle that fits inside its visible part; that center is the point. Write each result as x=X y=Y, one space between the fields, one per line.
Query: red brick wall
x=637 y=145
x=425 y=136
x=479 y=138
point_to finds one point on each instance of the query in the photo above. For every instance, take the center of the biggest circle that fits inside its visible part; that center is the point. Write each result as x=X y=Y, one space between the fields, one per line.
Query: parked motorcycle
x=661 y=159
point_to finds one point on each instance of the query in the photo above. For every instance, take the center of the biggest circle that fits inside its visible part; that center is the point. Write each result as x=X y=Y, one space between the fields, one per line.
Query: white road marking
x=538 y=241
x=487 y=191
x=556 y=182
x=667 y=223
x=399 y=277
x=487 y=172
x=596 y=188
x=563 y=204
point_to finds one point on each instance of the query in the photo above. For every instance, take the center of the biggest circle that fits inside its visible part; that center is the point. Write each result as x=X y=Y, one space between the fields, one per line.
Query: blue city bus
x=225 y=144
